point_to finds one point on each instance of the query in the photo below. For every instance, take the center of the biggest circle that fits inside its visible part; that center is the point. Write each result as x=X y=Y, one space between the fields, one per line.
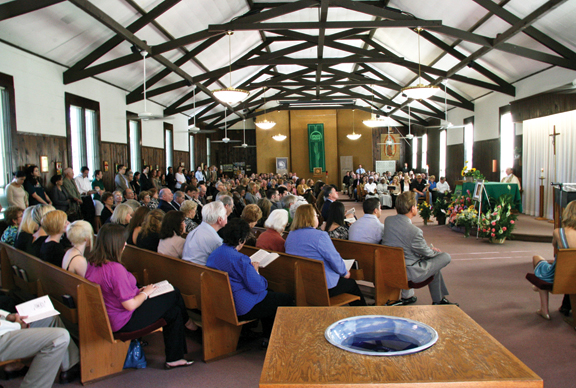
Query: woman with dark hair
x=36 y=193
x=135 y=224
x=239 y=204
x=249 y=288
x=108 y=210
x=171 y=240
x=59 y=197
x=149 y=235
x=335 y=225
x=135 y=183
x=129 y=308
x=265 y=205
x=15 y=193
x=307 y=241
x=12 y=217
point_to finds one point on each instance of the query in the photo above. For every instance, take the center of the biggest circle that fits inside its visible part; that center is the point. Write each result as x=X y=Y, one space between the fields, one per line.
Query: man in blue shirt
x=360 y=170
x=368 y=229
x=204 y=239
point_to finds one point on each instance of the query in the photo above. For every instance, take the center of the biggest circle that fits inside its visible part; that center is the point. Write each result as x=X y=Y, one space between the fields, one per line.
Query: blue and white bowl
x=381 y=335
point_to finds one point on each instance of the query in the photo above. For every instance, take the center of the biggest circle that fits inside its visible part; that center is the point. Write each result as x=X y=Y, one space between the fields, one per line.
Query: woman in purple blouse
x=129 y=308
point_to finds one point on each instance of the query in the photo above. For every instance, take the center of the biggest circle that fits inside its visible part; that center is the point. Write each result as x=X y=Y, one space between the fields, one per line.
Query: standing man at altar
x=511 y=178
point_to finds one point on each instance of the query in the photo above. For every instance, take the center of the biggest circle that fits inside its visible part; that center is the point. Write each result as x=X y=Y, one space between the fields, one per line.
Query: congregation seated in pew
x=307 y=241
x=252 y=298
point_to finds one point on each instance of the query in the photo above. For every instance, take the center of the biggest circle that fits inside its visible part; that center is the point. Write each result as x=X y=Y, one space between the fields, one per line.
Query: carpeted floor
x=486 y=280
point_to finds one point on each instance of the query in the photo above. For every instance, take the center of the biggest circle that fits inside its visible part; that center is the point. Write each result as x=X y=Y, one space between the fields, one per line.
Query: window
x=415 y=153
x=83 y=127
x=468 y=140
x=425 y=153
x=506 y=142
x=208 y=151
x=5 y=162
x=192 y=164
x=169 y=144
x=442 y=167
x=135 y=142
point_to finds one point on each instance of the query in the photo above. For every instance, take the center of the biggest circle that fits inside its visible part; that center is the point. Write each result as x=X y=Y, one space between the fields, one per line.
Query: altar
x=496 y=189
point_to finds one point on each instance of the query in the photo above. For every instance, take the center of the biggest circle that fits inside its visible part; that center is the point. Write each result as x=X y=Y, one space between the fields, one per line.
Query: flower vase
x=425 y=221
x=468 y=179
x=441 y=219
x=466 y=231
x=494 y=240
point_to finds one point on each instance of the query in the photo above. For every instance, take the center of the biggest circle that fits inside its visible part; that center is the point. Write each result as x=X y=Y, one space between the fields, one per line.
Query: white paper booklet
x=162 y=287
x=37 y=309
x=264 y=258
x=348 y=263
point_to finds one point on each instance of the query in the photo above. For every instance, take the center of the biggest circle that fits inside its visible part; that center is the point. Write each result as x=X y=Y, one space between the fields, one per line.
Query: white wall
x=40 y=105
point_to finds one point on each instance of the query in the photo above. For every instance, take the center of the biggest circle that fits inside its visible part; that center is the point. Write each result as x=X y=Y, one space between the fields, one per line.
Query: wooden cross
x=554 y=134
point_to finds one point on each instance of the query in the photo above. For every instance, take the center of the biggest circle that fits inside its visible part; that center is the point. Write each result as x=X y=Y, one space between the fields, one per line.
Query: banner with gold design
x=390 y=151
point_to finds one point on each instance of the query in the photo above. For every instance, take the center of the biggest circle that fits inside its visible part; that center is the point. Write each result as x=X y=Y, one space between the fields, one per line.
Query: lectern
x=564 y=193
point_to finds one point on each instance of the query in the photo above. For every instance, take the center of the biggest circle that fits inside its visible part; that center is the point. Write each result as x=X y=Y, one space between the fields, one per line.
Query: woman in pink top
x=129 y=307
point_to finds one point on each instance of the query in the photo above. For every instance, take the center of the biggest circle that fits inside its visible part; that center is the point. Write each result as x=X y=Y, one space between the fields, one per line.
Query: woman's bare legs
x=543 y=312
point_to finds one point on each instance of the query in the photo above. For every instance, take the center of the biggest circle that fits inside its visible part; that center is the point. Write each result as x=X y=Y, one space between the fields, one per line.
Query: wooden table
x=464 y=356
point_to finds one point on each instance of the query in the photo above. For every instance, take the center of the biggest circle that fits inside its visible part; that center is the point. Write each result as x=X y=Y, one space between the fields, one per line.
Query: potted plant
x=498 y=224
x=425 y=211
x=472 y=174
x=467 y=219
x=440 y=210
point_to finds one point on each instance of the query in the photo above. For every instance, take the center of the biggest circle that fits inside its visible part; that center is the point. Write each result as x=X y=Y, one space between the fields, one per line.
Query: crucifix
x=554 y=134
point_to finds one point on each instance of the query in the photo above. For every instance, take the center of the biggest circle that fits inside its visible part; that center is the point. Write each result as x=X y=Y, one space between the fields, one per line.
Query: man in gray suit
x=120 y=180
x=422 y=261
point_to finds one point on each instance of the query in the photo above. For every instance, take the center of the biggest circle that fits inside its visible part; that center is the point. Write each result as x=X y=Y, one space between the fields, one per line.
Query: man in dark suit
x=422 y=261
x=330 y=195
x=165 y=203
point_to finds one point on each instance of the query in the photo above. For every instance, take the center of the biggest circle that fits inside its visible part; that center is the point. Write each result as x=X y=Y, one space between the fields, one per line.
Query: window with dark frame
x=134 y=135
x=7 y=131
x=169 y=144
x=83 y=132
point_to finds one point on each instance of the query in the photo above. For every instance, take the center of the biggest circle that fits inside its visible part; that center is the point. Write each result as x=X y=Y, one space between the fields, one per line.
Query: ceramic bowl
x=381 y=335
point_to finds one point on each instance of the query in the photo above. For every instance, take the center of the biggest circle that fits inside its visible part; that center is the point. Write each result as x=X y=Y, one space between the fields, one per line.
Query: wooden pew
x=301 y=277
x=202 y=288
x=100 y=354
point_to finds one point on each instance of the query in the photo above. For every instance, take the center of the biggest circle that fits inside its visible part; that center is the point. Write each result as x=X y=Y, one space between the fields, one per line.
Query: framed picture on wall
x=44 y=164
x=282 y=165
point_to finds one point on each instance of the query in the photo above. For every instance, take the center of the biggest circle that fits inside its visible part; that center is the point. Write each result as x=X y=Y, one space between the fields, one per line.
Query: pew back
x=565 y=275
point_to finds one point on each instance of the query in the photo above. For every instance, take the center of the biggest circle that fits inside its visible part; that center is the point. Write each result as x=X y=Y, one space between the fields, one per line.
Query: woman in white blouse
x=15 y=193
x=180 y=178
x=171 y=240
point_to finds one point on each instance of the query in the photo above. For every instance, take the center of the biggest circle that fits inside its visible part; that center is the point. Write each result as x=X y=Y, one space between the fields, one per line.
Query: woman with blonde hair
x=31 y=236
x=307 y=241
x=189 y=208
x=302 y=187
x=52 y=250
x=81 y=235
x=149 y=235
x=122 y=215
x=563 y=238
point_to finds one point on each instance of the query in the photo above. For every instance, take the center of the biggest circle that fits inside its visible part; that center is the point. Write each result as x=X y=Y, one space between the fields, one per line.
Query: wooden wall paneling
x=454 y=163
x=182 y=157
x=484 y=152
x=155 y=157
x=113 y=153
x=433 y=153
x=226 y=153
x=542 y=105
x=29 y=147
x=200 y=150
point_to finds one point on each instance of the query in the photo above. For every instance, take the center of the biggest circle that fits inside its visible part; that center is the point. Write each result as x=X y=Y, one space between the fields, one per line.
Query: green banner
x=316 y=155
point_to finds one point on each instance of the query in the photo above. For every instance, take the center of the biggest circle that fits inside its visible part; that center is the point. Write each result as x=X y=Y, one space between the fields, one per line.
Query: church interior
x=243 y=85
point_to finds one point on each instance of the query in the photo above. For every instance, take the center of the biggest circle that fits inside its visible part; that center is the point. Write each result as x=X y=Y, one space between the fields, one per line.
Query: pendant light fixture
x=265 y=124
x=420 y=91
x=193 y=128
x=409 y=136
x=353 y=135
x=230 y=95
x=279 y=137
x=226 y=139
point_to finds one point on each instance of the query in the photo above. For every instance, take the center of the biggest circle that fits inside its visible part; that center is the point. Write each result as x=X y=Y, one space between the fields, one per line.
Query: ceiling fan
x=193 y=129
x=389 y=141
x=409 y=136
x=145 y=116
x=445 y=124
x=225 y=139
x=244 y=145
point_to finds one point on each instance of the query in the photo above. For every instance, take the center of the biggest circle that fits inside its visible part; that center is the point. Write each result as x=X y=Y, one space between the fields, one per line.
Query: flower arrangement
x=499 y=223
x=467 y=219
x=440 y=208
x=425 y=211
x=459 y=204
x=475 y=174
